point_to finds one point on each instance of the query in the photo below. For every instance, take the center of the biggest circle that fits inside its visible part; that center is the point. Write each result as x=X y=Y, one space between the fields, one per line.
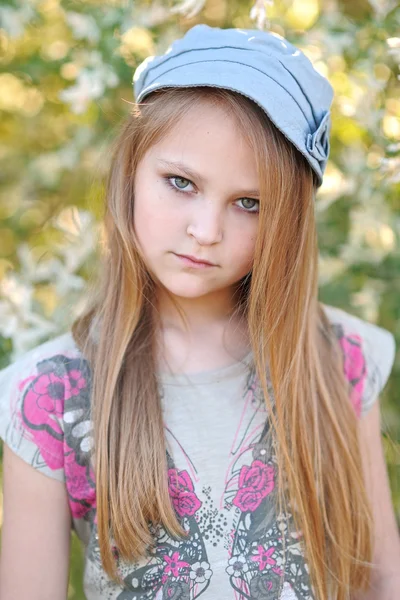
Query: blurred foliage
x=66 y=73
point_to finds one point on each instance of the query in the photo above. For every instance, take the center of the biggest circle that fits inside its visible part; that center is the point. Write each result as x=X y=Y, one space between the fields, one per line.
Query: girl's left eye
x=179 y=184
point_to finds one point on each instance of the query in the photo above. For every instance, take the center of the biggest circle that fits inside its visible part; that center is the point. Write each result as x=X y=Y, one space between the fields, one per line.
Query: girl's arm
x=34 y=560
x=386 y=579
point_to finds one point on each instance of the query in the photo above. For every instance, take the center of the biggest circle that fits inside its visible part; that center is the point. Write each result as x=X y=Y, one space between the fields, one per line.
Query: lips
x=196 y=260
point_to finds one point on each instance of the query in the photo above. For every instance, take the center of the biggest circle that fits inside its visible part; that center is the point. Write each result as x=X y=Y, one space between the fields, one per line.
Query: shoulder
x=62 y=344
x=51 y=369
x=369 y=352
x=36 y=391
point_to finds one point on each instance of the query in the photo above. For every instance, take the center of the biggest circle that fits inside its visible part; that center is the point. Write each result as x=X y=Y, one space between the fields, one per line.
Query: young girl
x=208 y=428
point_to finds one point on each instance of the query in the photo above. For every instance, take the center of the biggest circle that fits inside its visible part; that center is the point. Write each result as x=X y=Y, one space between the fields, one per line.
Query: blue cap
x=261 y=65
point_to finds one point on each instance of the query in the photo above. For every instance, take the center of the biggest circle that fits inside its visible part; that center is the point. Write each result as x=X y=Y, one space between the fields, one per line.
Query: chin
x=188 y=290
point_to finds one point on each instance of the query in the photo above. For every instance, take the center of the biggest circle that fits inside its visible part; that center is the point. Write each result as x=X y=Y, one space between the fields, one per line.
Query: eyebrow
x=195 y=175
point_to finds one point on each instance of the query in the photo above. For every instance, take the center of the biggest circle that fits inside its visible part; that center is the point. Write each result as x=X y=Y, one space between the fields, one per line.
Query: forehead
x=208 y=137
x=205 y=119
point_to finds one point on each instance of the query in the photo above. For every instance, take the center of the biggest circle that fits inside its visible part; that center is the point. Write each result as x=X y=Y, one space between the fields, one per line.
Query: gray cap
x=261 y=65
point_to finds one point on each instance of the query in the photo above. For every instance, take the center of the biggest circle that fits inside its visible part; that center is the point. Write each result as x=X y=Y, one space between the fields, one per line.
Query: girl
x=208 y=428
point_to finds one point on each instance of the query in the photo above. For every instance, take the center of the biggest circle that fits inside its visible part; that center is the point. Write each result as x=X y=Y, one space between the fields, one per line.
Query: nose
x=206 y=224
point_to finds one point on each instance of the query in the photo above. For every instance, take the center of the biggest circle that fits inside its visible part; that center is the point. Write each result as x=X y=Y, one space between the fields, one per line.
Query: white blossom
x=151 y=16
x=394 y=47
x=90 y=85
x=14 y=20
x=189 y=8
x=83 y=26
x=258 y=13
x=22 y=317
x=382 y=7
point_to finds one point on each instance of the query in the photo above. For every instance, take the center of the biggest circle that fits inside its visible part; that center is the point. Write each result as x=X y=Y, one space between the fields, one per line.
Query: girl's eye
x=180 y=183
x=250 y=204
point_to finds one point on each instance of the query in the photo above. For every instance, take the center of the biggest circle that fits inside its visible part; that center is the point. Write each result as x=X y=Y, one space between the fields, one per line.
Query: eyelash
x=168 y=182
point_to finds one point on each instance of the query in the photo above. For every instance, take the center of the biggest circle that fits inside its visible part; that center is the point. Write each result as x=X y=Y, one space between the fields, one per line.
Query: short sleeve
x=32 y=391
x=368 y=352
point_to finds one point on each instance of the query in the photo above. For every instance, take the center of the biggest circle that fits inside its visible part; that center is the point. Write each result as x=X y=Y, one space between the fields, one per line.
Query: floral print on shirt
x=266 y=552
x=264 y=555
x=55 y=415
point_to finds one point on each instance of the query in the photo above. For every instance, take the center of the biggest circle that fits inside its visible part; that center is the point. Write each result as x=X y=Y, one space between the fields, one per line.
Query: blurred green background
x=65 y=85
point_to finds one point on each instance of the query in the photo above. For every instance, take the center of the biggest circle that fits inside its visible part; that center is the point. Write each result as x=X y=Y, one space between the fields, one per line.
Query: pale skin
x=213 y=218
x=386 y=578
x=206 y=223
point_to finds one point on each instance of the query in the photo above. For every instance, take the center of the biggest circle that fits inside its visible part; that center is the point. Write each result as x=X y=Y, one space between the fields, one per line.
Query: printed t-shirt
x=215 y=425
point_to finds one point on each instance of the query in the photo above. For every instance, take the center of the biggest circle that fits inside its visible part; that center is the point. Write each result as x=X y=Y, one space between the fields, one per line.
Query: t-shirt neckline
x=209 y=376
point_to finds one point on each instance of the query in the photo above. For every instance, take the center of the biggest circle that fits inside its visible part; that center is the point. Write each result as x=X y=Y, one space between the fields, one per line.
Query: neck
x=201 y=313
x=214 y=334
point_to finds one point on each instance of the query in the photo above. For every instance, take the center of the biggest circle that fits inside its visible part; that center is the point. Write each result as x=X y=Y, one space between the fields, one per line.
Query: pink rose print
x=50 y=391
x=81 y=488
x=45 y=398
x=181 y=490
x=255 y=483
x=354 y=368
x=43 y=405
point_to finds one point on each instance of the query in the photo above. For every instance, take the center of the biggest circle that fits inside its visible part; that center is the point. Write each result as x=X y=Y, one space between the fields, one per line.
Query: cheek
x=242 y=244
x=154 y=219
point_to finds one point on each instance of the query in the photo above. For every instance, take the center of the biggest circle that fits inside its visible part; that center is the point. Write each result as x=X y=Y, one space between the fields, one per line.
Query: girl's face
x=196 y=194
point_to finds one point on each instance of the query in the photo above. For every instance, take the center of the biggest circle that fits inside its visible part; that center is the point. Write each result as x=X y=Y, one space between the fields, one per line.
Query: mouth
x=193 y=261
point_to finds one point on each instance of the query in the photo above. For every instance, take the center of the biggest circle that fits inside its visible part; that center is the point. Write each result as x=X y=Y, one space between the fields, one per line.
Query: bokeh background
x=66 y=73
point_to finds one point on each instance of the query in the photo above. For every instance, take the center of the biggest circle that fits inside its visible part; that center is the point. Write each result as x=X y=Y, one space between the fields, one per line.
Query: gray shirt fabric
x=221 y=468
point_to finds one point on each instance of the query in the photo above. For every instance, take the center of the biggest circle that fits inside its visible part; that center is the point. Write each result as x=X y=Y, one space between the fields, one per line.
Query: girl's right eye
x=180 y=182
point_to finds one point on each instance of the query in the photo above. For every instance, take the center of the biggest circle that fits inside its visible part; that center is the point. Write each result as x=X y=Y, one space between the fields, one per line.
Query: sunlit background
x=66 y=73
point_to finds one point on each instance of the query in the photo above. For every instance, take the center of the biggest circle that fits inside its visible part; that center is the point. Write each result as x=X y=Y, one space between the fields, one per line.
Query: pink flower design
x=181 y=490
x=80 y=486
x=77 y=382
x=41 y=414
x=174 y=564
x=50 y=392
x=43 y=406
x=354 y=368
x=255 y=483
x=264 y=557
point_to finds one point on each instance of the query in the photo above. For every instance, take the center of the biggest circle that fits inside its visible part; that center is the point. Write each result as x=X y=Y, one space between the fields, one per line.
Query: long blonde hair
x=313 y=422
